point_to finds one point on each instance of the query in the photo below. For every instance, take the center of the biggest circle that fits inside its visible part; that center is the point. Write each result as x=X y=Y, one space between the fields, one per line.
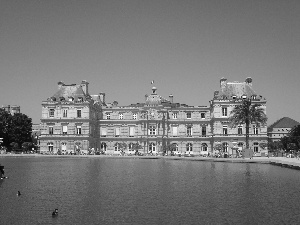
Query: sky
x=119 y=47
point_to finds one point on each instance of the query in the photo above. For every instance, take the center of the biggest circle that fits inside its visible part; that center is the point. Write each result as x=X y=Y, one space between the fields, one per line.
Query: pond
x=104 y=190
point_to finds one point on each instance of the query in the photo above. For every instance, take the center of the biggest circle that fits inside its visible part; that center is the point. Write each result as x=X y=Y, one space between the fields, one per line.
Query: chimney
x=60 y=84
x=102 y=97
x=223 y=82
x=171 y=98
x=248 y=81
x=85 y=87
x=146 y=96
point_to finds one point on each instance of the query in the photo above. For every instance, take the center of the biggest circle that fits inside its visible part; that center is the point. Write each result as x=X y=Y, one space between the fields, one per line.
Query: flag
x=152 y=82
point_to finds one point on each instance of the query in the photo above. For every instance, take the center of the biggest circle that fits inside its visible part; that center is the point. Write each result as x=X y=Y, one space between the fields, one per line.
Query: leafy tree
x=284 y=141
x=136 y=146
x=275 y=146
x=5 y=119
x=247 y=113
x=295 y=131
x=294 y=137
x=14 y=145
x=170 y=147
x=14 y=128
x=20 y=128
x=218 y=147
x=26 y=146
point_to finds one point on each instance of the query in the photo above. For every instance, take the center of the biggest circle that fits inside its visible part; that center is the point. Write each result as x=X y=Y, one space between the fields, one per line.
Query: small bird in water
x=55 y=212
x=19 y=193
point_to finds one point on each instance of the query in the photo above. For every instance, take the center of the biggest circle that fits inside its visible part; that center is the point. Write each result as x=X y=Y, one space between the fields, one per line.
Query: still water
x=146 y=191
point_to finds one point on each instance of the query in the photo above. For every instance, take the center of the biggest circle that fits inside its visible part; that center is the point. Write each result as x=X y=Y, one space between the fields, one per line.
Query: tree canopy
x=15 y=128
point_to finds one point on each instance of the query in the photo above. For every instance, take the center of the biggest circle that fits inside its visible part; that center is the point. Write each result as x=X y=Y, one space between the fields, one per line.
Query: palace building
x=75 y=121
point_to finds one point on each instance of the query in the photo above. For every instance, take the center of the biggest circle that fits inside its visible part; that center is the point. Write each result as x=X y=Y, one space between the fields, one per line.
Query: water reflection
x=140 y=191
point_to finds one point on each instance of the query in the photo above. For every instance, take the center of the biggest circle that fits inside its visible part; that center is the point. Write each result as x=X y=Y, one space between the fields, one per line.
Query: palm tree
x=247 y=113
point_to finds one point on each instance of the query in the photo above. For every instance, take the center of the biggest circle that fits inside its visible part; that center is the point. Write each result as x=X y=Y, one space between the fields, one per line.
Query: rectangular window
x=225 y=131
x=108 y=116
x=224 y=111
x=65 y=113
x=188 y=115
x=78 y=113
x=202 y=115
x=50 y=130
x=189 y=130
x=240 y=129
x=175 y=131
x=78 y=129
x=103 y=131
x=65 y=129
x=203 y=130
x=255 y=129
x=131 y=131
x=117 y=131
x=120 y=116
x=134 y=116
x=152 y=130
x=174 y=115
x=51 y=112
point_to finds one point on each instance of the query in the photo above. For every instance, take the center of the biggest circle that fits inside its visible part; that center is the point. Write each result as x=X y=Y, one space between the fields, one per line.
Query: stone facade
x=154 y=125
x=224 y=101
x=70 y=120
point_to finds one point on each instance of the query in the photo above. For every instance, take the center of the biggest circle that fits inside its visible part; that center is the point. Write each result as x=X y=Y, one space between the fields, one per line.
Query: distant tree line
x=15 y=130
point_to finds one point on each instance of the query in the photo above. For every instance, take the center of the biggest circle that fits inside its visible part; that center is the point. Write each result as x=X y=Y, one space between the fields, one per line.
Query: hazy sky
x=120 y=46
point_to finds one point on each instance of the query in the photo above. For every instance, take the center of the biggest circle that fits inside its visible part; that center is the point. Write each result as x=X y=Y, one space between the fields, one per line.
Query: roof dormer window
x=233 y=96
x=80 y=99
x=62 y=99
x=71 y=99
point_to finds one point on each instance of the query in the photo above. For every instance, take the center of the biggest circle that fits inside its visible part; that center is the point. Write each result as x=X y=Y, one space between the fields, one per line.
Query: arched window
x=103 y=146
x=176 y=147
x=189 y=147
x=152 y=147
x=63 y=146
x=225 y=147
x=77 y=146
x=204 y=147
x=117 y=147
x=130 y=147
x=50 y=146
x=255 y=144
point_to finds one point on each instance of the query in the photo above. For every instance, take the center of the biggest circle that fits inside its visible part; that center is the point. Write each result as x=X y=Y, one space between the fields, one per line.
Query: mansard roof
x=235 y=90
x=284 y=122
x=73 y=90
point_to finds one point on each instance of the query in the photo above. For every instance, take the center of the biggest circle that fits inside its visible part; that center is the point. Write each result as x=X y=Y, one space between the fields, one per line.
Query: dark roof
x=284 y=122
x=72 y=90
x=237 y=89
